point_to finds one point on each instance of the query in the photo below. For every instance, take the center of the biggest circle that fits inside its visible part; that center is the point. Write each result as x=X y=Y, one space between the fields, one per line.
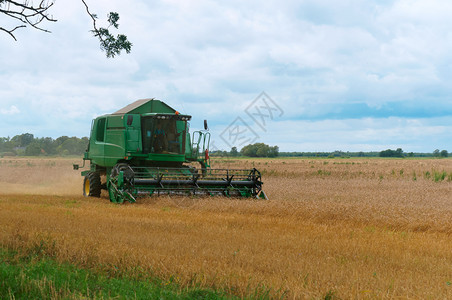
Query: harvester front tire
x=91 y=185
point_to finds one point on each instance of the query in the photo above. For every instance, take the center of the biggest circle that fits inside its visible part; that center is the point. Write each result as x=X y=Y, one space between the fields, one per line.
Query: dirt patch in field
x=39 y=176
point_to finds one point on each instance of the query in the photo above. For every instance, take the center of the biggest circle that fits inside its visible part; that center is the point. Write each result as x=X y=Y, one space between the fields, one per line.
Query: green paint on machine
x=144 y=149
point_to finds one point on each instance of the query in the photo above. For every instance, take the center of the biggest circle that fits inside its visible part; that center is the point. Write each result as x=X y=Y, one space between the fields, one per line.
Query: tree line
x=385 y=153
x=251 y=150
x=28 y=145
x=399 y=153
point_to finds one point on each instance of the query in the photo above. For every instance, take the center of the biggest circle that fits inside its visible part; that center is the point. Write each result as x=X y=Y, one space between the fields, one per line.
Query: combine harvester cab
x=144 y=148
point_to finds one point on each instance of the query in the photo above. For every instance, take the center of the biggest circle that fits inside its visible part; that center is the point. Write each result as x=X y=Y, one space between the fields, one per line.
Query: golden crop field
x=347 y=228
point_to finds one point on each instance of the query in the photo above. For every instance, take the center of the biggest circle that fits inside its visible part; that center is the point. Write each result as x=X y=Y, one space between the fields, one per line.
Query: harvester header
x=145 y=148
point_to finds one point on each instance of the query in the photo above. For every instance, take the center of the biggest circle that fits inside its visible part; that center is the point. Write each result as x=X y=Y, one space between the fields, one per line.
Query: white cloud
x=13 y=110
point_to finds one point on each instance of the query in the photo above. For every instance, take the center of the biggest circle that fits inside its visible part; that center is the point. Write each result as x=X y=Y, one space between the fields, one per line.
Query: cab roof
x=144 y=106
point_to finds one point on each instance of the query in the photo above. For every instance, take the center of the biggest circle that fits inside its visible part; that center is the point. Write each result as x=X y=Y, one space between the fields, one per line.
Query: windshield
x=163 y=135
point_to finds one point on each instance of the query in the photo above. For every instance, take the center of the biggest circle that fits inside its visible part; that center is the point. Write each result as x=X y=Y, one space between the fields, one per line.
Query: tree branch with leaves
x=108 y=43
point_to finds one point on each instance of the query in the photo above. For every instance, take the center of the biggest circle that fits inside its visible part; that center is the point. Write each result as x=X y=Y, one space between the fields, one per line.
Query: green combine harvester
x=144 y=149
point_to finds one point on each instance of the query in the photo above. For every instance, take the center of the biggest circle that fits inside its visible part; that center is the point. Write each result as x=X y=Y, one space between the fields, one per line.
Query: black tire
x=91 y=185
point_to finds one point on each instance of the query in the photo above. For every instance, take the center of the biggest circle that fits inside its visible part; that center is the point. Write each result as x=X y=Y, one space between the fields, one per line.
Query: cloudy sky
x=349 y=75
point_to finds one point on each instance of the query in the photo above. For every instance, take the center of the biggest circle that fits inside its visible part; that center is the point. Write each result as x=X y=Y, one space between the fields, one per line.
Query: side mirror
x=76 y=167
x=205 y=125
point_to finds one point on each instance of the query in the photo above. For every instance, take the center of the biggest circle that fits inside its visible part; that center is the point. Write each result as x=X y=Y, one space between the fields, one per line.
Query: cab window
x=100 y=134
x=163 y=135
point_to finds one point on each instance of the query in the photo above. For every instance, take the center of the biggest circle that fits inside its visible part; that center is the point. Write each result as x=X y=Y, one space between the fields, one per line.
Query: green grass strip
x=44 y=278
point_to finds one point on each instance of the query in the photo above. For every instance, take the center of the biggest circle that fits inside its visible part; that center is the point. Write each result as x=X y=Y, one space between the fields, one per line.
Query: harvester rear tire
x=91 y=185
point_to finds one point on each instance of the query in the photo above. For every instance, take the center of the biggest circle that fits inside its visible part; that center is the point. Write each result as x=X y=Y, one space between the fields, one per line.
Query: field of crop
x=333 y=228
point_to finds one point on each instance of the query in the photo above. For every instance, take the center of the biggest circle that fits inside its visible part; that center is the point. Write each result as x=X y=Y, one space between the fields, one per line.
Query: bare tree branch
x=10 y=31
x=32 y=15
x=93 y=16
x=27 y=14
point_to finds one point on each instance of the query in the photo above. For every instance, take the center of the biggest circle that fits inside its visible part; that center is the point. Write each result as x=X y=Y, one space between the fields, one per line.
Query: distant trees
x=252 y=150
x=399 y=153
x=440 y=154
x=234 y=151
x=260 y=150
x=24 y=140
x=72 y=146
x=33 y=149
x=27 y=144
x=337 y=153
x=392 y=153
